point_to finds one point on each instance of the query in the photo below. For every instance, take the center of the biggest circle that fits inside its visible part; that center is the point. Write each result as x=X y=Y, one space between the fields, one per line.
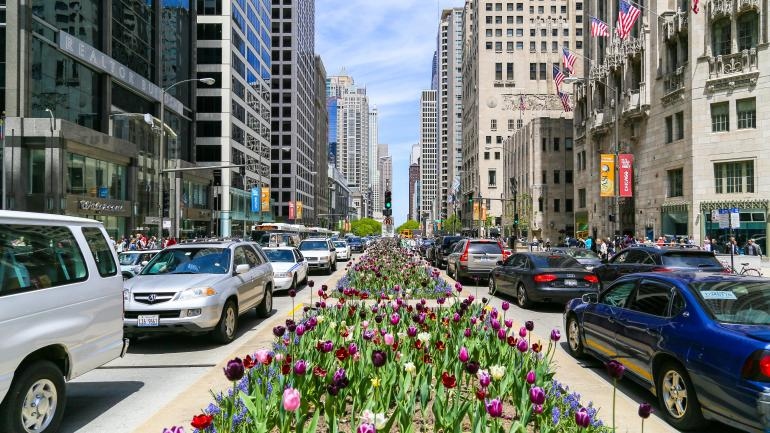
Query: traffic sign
x=735 y=218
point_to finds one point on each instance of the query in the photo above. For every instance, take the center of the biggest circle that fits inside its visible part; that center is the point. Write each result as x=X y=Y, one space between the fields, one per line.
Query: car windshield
x=690 y=260
x=746 y=303
x=450 y=240
x=189 y=261
x=313 y=246
x=279 y=255
x=355 y=241
x=583 y=254
x=555 y=262
x=340 y=244
x=128 y=259
x=485 y=248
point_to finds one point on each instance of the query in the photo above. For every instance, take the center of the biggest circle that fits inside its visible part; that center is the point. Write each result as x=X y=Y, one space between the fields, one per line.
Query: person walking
x=707 y=244
x=589 y=243
x=603 y=251
x=753 y=249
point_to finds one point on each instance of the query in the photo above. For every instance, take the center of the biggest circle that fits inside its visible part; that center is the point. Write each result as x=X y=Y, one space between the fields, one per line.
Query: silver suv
x=320 y=254
x=198 y=288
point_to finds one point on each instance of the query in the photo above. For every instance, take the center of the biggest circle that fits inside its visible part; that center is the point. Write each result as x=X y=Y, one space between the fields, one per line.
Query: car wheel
x=573 y=337
x=228 y=324
x=293 y=284
x=335 y=266
x=36 y=400
x=329 y=269
x=492 y=286
x=676 y=396
x=265 y=308
x=521 y=296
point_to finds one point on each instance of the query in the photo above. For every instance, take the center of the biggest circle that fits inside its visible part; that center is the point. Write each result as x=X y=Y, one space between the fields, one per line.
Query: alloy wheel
x=492 y=287
x=230 y=322
x=573 y=335
x=269 y=299
x=39 y=406
x=521 y=295
x=675 y=394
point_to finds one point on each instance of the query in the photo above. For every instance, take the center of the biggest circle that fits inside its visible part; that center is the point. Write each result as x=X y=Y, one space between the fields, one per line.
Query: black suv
x=442 y=248
x=652 y=259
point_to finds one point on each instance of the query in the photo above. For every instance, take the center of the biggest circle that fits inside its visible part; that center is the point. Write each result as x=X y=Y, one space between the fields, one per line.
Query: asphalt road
x=120 y=396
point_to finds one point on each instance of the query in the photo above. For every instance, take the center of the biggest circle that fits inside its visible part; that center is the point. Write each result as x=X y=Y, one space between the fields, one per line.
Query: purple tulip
x=411 y=331
x=340 y=378
x=472 y=367
x=495 y=408
x=366 y=428
x=508 y=323
x=645 y=410
x=312 y=322
x=501 y=334
x=531 y=377
x=311 y=283
x=493 y=314
x=471 y=298
x=379 y=358
x=473 y=320
x=506 y=306
x=394 y=319
x=327 y=346
x=467 y=333
x=368 y=334
x=495 y=324
x=522 y=346
x=615 y=369
x=292 y=293
x=291 y=327
x=463 y=355
x=522 y=332
x=555 y=335
x=234 y=370
x=458 y=287
x=300 y=367
x=582 y=419
x=530 y=325
x=537 y=408
x=440 y=301
x=484 y=379
x=352 y=349
x=278 y=331
x=456 y=317
x=536 y=395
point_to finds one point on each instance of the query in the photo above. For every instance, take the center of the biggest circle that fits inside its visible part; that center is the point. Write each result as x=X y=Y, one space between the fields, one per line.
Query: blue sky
x=387 y=46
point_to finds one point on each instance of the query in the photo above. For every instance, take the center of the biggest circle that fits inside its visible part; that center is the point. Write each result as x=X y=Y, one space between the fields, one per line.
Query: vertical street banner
x=484 y=213
x=256 y=200
x=626 y=174
x=299 y=210
x=265 y=199
x=607 y=175
x=476 y=210
x=291 y=211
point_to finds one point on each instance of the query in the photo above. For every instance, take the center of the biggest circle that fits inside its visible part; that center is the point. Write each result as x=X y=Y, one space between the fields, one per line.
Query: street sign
x=724 y=219
x=729 y=218
x=167 y=223
x=735 y=218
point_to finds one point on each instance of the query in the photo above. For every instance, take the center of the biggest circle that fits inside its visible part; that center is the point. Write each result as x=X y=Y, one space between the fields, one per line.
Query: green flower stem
x=614 y=391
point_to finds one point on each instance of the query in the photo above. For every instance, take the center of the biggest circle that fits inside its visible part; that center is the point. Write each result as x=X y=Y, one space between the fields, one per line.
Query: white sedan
x=290 y=267
x=343 y=250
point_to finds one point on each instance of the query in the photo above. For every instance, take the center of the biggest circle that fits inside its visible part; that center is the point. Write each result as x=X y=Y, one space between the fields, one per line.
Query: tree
x=452 y=224
x=409 y=225
x=366 y=227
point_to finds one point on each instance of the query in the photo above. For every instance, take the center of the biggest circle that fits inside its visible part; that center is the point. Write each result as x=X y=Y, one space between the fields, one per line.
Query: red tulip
x=248 y=362
x=448 y=381
x=202 y=421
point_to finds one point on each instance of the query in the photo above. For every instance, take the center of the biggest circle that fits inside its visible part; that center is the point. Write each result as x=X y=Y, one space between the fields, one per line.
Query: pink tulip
x=501 y=334
x=291 y=399
x=263 y=356
x=531 y=377
x=394 y=318
x=463 y=355
x=389 y=339
x=365 y=324
x=522 y=332
x=279 y=357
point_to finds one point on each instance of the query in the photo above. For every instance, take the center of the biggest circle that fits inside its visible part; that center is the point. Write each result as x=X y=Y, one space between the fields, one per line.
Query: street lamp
x=616 y=219
x=162 y=157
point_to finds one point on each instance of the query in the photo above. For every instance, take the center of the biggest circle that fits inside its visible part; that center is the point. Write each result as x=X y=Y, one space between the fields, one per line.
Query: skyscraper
x=234 y=115
x=414 y=181
x=429 y=166
x=374 y=166
x=321 y=116
x=293 y=152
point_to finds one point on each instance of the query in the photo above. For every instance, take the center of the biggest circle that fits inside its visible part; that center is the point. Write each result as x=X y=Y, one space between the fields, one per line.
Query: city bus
x=279 y=234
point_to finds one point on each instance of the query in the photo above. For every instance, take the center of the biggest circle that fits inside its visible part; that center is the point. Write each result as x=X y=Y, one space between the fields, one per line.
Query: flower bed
x=395 y=365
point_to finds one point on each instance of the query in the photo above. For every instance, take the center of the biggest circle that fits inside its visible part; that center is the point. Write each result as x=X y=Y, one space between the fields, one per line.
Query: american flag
x=565 y=101
x=569 y=60
x=558 y=76
x=599 y=27
x=627 y=16
x=695 y=6
x=522 y=106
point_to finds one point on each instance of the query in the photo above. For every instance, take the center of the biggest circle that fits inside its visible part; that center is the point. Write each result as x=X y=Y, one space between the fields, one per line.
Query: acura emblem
x=152 y=297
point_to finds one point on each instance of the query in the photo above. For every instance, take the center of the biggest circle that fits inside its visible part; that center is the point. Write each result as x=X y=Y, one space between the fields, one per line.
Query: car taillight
x=464 y=256
x=593 y=279
x=544 y=278
x=662 y=269
x=757 y=367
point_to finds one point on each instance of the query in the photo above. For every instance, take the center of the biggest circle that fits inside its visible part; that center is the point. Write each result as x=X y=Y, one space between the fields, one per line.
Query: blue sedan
x=699 y=342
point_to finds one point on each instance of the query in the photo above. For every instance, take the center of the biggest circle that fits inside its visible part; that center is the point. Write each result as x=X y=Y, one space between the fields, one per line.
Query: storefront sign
x=265 y=199
x=626 y=174
x=291 y=211
x=98 y=60
x=91 y=206
x=607 y=175
x=256 y=200
x=87 y=205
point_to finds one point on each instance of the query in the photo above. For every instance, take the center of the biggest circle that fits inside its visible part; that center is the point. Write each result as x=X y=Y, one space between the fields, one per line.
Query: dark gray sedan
x=584 y=256
x=542 y=277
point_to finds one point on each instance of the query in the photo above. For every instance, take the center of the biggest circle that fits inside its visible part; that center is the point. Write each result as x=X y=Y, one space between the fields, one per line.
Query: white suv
x=320 y=254
x=60 y=313
x=199 y=288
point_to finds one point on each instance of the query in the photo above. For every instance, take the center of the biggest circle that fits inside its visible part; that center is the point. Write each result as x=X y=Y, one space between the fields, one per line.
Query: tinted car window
x=636 y=256
x=313 y=246
x=690 y=260
x=583 y=254
x=252 y=257
x=485 y=247
x=280 y=255
x=340 y=244
x=651 y=298
x=555 y=262
x=449 y=240
x=457 y=247
x=620 y=257
x=617 y=295
x=101 y=251
x=38 y=257
x=518 y=261
x=736 y=302
x=189 y=261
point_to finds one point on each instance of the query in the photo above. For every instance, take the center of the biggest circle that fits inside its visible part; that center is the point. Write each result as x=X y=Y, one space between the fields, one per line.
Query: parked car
x=474 y=258
x=343 y=250
x=356 y=245
x=585 y=257
x=700 y=342
x=60 y=313
x=200 y=287
x=542 y=277
x=290 y=268
x=320 y=254
x=652 y=259
x=441 y=250
x=132 y=262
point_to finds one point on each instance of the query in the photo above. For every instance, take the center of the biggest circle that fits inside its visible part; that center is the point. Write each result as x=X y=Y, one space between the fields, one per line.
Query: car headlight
x=283 y=274
x=196 y=292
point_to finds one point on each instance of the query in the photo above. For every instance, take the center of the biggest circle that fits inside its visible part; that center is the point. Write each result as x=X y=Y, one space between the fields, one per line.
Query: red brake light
x=662 y=269
x=757 y=367
x=593 y=279
x=544 y=278
x=764 y=365
x=464 y=256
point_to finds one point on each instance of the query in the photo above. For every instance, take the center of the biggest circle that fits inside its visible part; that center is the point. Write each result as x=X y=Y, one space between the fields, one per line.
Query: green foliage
x=366 y=227
x=409 y=225
x=453 y=224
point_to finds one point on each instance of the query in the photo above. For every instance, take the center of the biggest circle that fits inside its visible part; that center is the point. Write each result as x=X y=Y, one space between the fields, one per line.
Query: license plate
x=571 y=283
x=147 y=321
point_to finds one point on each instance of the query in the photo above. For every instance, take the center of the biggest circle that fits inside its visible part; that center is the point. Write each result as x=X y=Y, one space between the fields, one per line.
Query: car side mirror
x=242 y=269
x=499 y=263
x=145 y=262
x=332 y=249
x=590 y=298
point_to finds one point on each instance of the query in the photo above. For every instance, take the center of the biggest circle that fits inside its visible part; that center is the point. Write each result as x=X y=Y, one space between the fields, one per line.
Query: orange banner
x=476 y=210
x=607 y=175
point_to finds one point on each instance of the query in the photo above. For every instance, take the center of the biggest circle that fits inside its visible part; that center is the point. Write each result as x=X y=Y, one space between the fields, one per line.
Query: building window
x=582 y=198
x=568 y=143
x=488 y=6
x=669 y=129
x=486 y=155
x=556 y=205
x=489 y=45
x=489 y=139
x=720 y=117
x=543 y=74
x=499 y=47
x=509 y=33
x=554 y=47
x=532 y=33
x=568 y=176
x=520 y=6
x=532 y=47
x=519 y=45
x=509 y=71
x=492 y=178
x=543 y=46
x=720 y=37
x=544 y=145
x=556 y=176
x=519 y=19
x=531 y=9
x=510 y=124
x=509 y=46
x=578 y=44
x=544 y=178
x=497 y=155
x=748 y=25
x=734 y=177
x=499 y=32
x=540 y=203
x=568 y=205
x=533 y=70
x=555 y=144
x=675 y=182
x=579 y=6
x=493 y=124
x=747 y=113
x=679 y=118
x=519 y=123
x=499 y=139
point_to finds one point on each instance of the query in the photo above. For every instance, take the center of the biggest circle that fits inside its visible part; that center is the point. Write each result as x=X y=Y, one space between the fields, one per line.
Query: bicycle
x=745 y=271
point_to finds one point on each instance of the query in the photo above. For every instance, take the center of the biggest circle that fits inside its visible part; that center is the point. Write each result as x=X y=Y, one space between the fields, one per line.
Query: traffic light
x=516 y=219
x=388 y=200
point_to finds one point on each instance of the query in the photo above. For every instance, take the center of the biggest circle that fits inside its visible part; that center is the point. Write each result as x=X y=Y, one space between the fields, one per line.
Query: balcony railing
x=720 y=9
x=733 y=70
x=674 y=23
x=673 y=84
x=745 y=5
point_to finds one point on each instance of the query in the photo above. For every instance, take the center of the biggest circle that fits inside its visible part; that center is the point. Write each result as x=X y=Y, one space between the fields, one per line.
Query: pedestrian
x=714 y=245
x=753 y=248
x=661 y=242
x=707 y=244
x=603 y=250
x=691 y=241
x=732 y=247
x=589 y=243
x=548 y=244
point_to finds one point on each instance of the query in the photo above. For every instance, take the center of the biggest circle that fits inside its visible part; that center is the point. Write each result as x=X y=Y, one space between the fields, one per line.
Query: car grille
x=162 y=314
x=312 y=259
x=153 y=298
